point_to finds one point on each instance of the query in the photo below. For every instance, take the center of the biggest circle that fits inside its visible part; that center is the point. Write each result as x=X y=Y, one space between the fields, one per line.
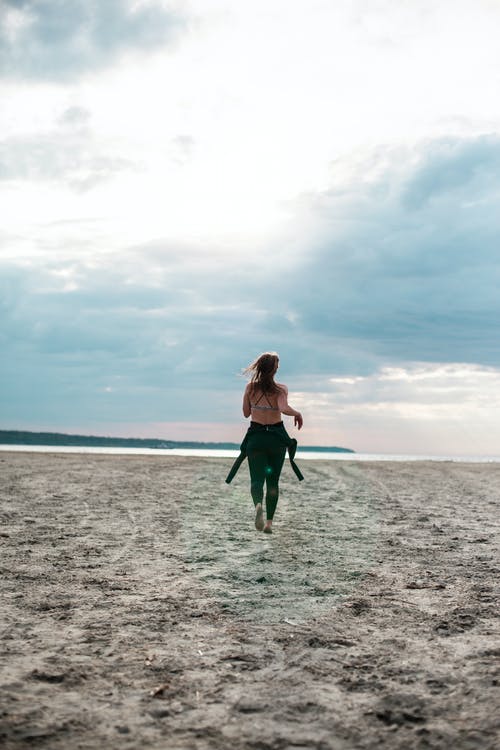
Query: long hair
x=262 y=371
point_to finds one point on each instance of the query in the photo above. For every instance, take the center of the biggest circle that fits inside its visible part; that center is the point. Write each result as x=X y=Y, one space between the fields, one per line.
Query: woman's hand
x=297 y=420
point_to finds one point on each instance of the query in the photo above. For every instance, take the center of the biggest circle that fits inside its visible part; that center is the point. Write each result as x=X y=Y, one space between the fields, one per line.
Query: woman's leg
x=257 y=462
x=275 y=459
x=265 y=460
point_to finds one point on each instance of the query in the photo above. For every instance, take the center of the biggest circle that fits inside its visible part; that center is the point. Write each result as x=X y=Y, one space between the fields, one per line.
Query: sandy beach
x=140 y=607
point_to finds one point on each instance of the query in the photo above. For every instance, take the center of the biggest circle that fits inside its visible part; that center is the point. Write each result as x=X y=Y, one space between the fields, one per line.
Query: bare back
x=264 y=407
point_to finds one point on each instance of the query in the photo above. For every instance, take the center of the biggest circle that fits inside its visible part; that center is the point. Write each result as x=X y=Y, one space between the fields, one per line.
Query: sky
x=184 y=185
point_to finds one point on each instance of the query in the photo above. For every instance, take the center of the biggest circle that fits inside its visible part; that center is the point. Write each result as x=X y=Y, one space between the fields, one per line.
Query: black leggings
x=265 y=453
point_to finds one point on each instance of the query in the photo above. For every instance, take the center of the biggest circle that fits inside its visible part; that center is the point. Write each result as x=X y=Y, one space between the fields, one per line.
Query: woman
x=267 y=440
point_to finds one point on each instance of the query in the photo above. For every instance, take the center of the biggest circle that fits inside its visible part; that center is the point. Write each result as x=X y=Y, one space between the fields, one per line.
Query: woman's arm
x=285 y=407
x=247 y=409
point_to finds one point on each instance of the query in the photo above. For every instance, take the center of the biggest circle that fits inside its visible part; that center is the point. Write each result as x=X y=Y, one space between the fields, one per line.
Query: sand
x=140 y=608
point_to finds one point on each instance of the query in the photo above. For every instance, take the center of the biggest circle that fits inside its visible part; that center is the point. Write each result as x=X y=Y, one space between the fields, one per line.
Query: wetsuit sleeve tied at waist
x=292 y=449
x=291 y=445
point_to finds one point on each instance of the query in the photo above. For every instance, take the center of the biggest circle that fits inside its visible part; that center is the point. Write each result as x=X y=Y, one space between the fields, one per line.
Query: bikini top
x=263 y=406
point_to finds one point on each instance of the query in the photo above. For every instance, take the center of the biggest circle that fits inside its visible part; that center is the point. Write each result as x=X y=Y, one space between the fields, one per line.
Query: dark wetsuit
x=265 y=447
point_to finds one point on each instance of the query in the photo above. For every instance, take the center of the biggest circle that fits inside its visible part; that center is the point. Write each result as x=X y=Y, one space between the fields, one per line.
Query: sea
x=215 y=453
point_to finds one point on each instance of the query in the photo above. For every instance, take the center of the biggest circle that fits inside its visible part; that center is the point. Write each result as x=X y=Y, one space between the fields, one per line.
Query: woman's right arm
x=247 y=409
x=285 y=407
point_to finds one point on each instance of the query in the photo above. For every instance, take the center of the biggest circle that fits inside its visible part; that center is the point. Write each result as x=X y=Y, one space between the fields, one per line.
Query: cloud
x=182 y=148
x=422 y=390
x=69 y=152
x=79 y=116
x=451 y=168
x=405 y=257
x=423 y=408
x=112 y=321
x=383 y=283
x=160 y=335
x=53 y=40
x=384 y=316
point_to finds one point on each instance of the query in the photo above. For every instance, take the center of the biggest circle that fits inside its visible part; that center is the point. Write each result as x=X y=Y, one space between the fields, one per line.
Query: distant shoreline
x=24 y=437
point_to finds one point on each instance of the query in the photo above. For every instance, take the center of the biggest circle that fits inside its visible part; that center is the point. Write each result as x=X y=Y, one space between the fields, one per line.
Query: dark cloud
x=59 y=40
x=408 y=263
x=91 y=328
x=454 y=168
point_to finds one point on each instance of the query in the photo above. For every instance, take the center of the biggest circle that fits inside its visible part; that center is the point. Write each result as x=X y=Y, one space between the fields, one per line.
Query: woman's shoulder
x=282 y=386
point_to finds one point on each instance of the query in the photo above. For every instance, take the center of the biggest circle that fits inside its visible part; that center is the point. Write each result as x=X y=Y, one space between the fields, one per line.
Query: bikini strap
x=270 y=404
x=260 y=397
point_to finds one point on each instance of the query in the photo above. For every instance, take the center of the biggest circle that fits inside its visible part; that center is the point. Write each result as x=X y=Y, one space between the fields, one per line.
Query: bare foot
x=267 y=527
x=259 y=517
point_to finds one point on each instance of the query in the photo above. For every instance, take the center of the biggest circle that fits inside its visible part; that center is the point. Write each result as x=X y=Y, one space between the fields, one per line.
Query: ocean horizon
x=224 y=453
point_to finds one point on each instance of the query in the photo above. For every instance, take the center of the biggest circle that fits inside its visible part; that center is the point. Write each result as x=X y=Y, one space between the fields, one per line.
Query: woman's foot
x=259 y=517
x=267 y=527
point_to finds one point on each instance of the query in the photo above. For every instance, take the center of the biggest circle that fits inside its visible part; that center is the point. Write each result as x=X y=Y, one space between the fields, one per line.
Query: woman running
x=266 y=441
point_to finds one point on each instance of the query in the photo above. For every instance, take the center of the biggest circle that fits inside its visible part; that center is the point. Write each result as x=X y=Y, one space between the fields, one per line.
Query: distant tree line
x=20 y=437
